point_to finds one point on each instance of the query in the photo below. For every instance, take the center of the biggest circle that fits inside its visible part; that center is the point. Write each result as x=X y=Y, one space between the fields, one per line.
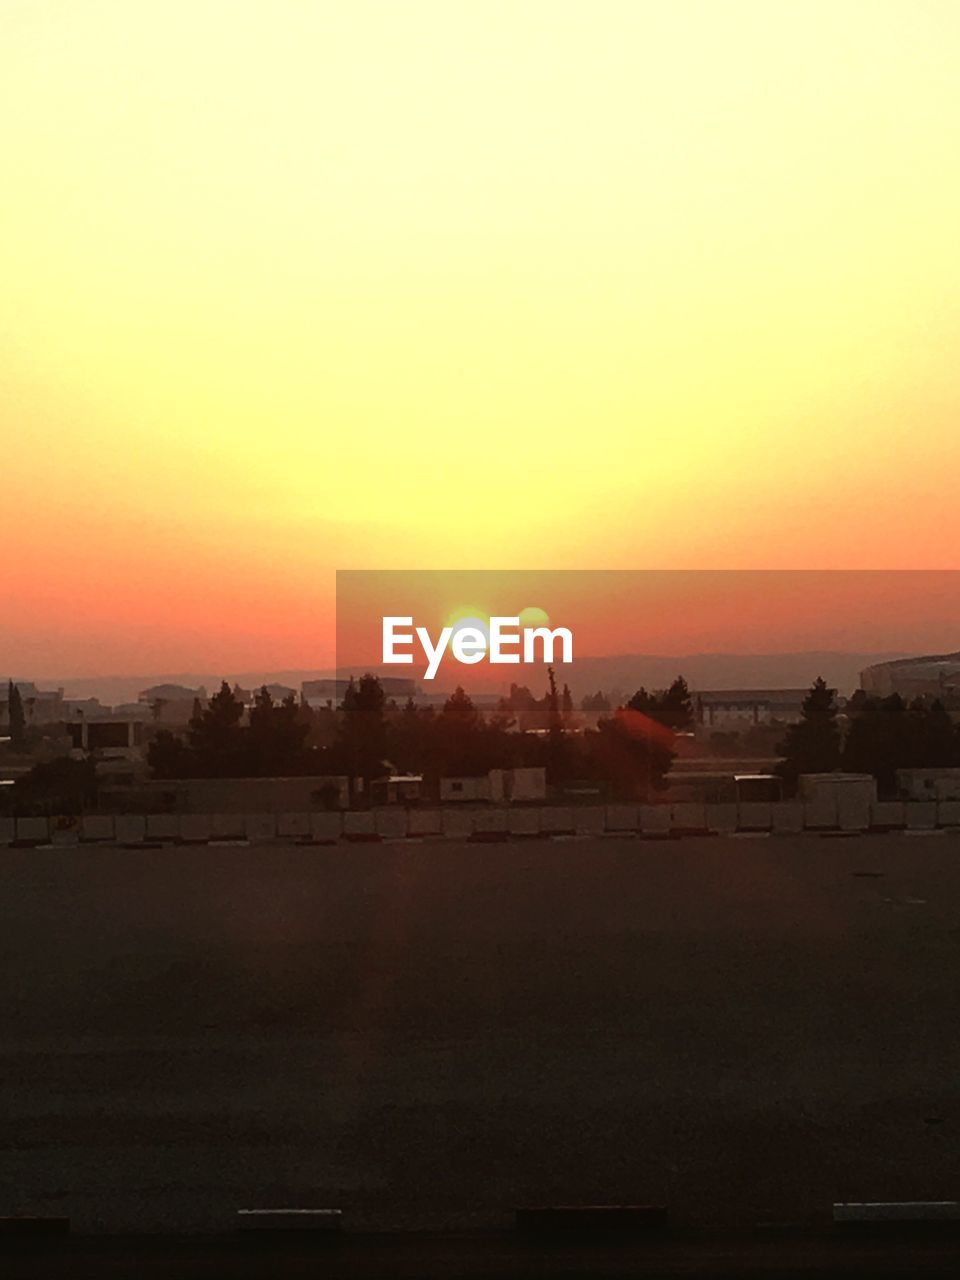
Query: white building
x=937 y=676
x=741 y=708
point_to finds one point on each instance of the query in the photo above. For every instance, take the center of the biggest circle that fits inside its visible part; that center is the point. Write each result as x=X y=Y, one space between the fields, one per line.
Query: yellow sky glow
x=296 y=286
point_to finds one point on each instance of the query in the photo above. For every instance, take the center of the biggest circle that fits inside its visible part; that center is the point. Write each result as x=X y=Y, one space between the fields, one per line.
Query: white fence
x=665 y=821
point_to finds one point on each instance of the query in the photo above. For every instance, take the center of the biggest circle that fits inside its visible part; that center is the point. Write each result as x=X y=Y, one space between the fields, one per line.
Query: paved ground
x=427 y=1035
x=490 y=1256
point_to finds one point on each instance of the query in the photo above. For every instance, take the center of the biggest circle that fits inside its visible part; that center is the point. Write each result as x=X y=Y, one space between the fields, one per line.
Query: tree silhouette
x=214 y=734
x=566 y=704
x=631 y=751
x=276 y=735
x=935 y=742
x=361 y=742
x=459 y=740
x=167 y=755
x=409 y=738
x=62 y=785
x=812 y=745
x=886 y=735
x=18 y=723
x=671 y=707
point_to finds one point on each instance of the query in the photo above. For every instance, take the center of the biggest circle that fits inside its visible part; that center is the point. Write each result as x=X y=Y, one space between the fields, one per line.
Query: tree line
x=873 y=735
x=368 y=736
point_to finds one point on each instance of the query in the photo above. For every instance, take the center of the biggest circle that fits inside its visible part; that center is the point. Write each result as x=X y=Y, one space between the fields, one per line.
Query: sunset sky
x=679 y=612
x=296 y=286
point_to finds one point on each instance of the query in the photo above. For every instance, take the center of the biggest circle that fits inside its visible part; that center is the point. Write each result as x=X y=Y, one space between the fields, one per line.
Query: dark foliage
x=63 y=786
x=16 y=717
x=812 y=745
x=886 y=734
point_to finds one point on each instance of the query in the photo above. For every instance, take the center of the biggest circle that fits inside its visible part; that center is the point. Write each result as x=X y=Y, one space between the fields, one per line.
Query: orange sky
x=617 y=612
x=304 y=286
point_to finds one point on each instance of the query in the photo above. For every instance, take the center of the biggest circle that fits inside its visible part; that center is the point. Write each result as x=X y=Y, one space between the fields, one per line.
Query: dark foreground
x=743 y=1030
x=415 y=1256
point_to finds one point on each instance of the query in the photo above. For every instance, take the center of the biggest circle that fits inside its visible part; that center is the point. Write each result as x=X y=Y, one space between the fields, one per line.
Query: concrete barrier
x=486 y=820
x=130 y=828
x=296 y=825
x=65 y=830
x=786 y=816
x=259 y=826
x=853 y=809
x=457 y=823
x=655 y=819
x=688 y=815
x=425 y=822
x=921 y=815
x=887 y=815
x=97 y=826
x=721 y=817
x=589 y=819
x=523 y=822
x=820 y=814
x=163 y=826
x=8 y=830
x=754 y=815
x=555 y=820
x=326 y=825
x=194 y=826
x=622 y=817
x=391 y=823
x=227 y=826
x=33 y=829
x=361 y=822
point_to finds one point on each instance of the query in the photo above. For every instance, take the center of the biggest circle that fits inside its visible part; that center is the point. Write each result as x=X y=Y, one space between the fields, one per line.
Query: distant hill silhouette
x=622 y=671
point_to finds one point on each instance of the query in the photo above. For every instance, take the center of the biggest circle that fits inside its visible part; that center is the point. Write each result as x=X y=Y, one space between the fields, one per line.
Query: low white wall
x=97 y=826
x=326 y=825
x=391 y=823
x=921 y=815
x=723 y=818
x=33 y=829
x=360 y=824
x=459 y=823
x=820 y=812
x=294 y=824
x=260 y=826
x=755 y=815
x=163 y=826
x=490 y=820
x=523 y=822
x=129 y=828
x=655 y=819
x=195 y=826
x=887 y=813
x=622 y=817
x=425 y=822
x=557 y=820
x=787 y=816
x=689 y=815
x=590 y=820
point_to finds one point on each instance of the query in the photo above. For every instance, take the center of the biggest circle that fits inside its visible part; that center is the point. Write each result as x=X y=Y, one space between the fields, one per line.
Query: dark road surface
x=744 y=1030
